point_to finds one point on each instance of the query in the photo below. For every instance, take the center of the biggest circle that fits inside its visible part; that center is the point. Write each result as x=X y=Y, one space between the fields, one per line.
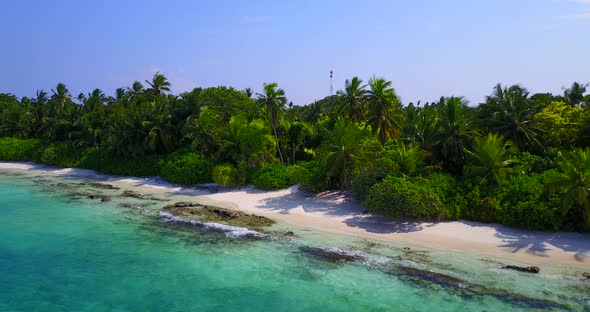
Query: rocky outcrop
x=194 y=211
x=331 y=254
x=133 y=194
x=228 y=230
x=530 y=269
x=102 y=186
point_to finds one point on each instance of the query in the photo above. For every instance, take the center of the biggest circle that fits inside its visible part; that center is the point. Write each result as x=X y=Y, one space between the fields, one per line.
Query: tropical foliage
x=519 y=159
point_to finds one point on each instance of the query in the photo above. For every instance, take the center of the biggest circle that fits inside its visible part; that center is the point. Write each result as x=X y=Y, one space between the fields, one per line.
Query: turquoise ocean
x=63 y=250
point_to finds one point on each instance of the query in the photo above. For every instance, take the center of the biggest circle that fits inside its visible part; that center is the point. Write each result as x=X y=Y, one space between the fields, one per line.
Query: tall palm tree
x=575 y=94
x=136 y=88
x=344 y=151
x=410 y=158
x=420 y=124
x=383 y=103
x=490 y=156
x=274 y=100
x=575 y=183
x=454 y=132
x=158 y=84
x=41 y=98
x=512 y=115
x=353 y=98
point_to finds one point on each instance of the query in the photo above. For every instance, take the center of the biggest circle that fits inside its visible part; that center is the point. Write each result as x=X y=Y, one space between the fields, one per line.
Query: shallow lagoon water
x=60 y=251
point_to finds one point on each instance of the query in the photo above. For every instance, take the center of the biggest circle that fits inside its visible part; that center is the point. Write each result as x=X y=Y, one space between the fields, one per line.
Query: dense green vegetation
x=518 y=159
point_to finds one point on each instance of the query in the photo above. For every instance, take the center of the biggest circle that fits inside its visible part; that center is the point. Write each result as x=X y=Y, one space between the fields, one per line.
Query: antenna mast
x=331 y=84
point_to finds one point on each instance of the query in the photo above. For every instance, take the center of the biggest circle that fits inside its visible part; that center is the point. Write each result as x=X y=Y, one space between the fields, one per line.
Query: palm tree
x=490 y=156
x=420 y=124
x=158 y=84
x=575 y=94
x=512 y=115
x=248 y=92
x=61 y=96
x=383 y=103
x=353 y=98
x=344 y=150
x=454 y=133
x=297 y=133
x=136 y=88
x=410 y=158
x=41 y=98
x=274 y=100
x=575 y=183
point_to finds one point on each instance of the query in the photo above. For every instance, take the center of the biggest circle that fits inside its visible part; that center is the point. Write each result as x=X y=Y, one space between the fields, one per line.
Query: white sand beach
x=335 y=212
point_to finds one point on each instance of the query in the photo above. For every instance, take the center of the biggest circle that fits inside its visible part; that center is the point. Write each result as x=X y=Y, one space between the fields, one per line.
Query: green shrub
x=478 y=206
x=18 y=150
x=105 y=161
x=59 y=154
x=396 y=197
x=445 y=186
x=224 y=175
x=308 y=174
x=522 y=202
x=187 y=168
x=364 y=180
x=273 y=176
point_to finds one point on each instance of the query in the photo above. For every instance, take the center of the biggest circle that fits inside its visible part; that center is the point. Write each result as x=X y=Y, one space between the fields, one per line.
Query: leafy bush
x=224 y=175
x=273 y=176
x=445 y=186
x=367 y=177
x=523 y=203
x=187 y=168
x=309 y=175
x=396 y=197
x=60 y=154
x=478 y=206
x=105 y=161
x=17 y=149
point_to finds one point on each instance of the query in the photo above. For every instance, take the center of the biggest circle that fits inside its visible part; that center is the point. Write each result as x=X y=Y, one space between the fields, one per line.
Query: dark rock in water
x=128 y=205
x=200 y=212
x=63 y=186
x=289 y=234
x=132 y=194
x=406 y=248
x=103 y=199
x=468 y=289
x=228 y=230
x=332 y=254
x=183 y=205
x=365 y=211
x=102 y=186
x=432 y=277
x=531 y=269
x=586 y=276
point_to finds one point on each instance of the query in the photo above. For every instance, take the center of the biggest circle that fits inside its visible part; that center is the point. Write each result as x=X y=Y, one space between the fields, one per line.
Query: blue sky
x=427 y=48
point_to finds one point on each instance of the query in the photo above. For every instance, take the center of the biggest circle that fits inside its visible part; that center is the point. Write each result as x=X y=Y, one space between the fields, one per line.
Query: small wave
x=228 y=230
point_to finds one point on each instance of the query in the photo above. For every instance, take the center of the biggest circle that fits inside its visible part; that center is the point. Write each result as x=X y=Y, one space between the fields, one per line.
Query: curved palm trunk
x=274 y=129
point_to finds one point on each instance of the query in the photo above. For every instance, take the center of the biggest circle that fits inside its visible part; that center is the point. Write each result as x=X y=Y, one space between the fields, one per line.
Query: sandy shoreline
x=334 y=212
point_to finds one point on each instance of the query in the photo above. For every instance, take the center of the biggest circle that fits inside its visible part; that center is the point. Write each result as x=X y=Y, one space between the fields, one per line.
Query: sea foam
x=228 y=230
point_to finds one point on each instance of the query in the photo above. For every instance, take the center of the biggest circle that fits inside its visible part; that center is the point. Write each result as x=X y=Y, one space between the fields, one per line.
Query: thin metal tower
x=331 y=84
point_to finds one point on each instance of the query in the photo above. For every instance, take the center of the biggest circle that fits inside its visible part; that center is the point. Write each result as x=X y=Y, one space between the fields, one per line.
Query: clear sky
x=428 y=48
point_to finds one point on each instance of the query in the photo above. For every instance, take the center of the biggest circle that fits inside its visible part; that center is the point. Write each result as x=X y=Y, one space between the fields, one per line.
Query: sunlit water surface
x=61 y=251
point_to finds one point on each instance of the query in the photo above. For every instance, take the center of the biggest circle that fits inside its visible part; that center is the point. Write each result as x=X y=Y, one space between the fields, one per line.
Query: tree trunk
x=274 y=129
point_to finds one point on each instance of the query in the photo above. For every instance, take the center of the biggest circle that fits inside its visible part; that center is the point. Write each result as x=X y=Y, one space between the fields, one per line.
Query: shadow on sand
x=341 y=204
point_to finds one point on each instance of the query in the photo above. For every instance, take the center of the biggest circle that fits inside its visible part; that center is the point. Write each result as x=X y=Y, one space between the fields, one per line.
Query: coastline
x=337 y=213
